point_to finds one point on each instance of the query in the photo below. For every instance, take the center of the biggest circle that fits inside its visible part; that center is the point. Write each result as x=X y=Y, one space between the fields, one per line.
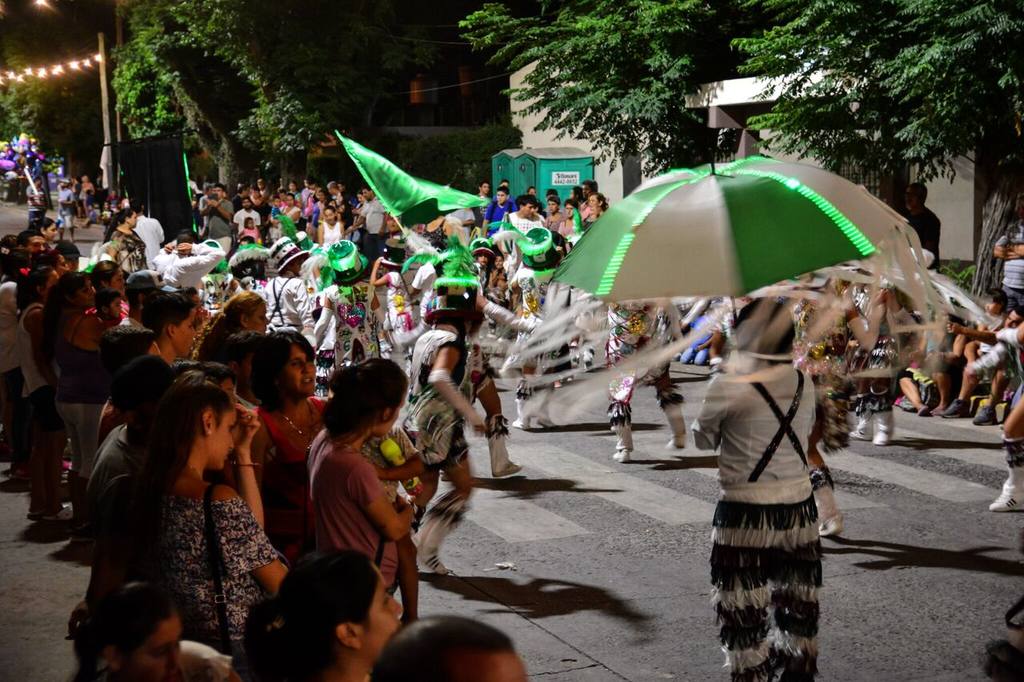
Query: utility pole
x=107 y=157
x=118 y=41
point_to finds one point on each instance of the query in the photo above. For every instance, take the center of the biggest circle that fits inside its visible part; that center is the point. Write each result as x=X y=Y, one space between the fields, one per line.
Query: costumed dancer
x=349 y=307
x=876 y=361
x=440 y=394
x=822 y=355
x=249 y=267
x=633 y=326
x=482 y=376
x=765 y=546
x=529 y=286
x=482 y=373
x=387 y=272
x=289 y=305
x=1011 y=498
x=219 y=286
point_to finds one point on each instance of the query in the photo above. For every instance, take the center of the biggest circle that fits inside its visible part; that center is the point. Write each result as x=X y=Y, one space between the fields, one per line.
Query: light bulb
x=74 y=65
x=97 y=58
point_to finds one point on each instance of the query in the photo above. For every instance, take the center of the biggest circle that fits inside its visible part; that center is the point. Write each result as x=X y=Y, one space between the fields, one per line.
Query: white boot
x=439 y=522
x=497 y=434
x=523 y=393
x=674 y=414
x=883 y=427
x=862 y=431
x=830 y=519
x=624 y=446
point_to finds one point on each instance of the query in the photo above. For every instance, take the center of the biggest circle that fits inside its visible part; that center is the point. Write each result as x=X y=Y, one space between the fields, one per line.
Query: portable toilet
x=502 y=167
x=558 y=168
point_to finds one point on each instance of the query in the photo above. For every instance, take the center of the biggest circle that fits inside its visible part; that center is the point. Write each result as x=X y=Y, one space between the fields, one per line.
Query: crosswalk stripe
x=949 y=488
x=659 y=502
x=845 y=500
x=993 y=459
x=515 y=520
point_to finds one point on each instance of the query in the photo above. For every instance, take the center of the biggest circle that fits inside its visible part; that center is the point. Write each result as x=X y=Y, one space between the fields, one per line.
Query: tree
x=63 y=113
x=909 y=83
x=252 y=79
x=615 y=72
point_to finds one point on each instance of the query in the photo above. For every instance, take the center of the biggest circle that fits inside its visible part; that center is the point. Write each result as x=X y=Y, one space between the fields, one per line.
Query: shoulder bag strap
x=215 y=560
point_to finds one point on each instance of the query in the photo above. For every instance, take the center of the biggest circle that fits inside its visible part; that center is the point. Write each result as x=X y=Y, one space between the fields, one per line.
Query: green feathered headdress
x=455 y=290
x=288 y=228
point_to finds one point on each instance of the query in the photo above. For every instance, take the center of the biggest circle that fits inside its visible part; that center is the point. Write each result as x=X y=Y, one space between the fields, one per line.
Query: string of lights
x=9 y=76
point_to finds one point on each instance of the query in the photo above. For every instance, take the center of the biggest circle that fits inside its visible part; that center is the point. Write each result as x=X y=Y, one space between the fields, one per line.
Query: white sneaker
x=676 y=443
x=858 y=434
x=622 y=456
x=521 y=423
x=881 y=438
x=831 y=526
x=1009 y=500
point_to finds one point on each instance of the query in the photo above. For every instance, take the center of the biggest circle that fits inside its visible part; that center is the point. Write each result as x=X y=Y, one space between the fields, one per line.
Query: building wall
x=955 y=203
x=609 y=181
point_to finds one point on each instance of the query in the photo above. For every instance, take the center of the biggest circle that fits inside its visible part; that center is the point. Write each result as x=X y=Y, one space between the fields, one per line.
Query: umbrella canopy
x=745 y=225
x=412 y=200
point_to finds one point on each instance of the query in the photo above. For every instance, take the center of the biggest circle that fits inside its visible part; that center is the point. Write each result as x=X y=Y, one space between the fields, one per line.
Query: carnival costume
x=633 y=327
x=766 y=551
x=289 y=305
x=824 y=360
x=879 y=361
x=533 y=280
x=399 y=320
x=440 y=402
x=348 y=308
x=249 y=267
x=219 y=285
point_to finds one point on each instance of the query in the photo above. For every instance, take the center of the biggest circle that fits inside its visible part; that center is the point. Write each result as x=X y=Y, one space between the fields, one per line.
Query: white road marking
x=515 y=520
x=659 y=502
x=944 y=487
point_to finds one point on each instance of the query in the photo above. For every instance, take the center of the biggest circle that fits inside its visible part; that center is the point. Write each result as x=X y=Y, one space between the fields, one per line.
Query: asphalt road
x=606 y=574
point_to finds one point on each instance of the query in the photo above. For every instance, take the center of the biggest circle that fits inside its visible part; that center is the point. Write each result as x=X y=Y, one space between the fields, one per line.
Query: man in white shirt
x=371 y=217
x=247 y=211
x=525 y=218
x=149 y=231
x=184 y=263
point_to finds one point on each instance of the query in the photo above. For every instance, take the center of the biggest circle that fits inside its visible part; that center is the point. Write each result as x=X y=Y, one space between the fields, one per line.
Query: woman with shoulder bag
x=205 y=543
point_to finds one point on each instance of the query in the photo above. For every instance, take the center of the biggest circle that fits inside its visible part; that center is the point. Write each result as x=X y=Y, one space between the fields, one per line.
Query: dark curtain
x=153 y=172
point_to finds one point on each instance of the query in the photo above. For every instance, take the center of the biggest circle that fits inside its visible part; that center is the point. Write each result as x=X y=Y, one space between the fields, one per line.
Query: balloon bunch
x=25 y=147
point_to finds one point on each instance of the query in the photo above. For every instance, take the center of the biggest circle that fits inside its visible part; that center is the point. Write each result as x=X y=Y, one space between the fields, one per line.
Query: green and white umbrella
x=726 y=231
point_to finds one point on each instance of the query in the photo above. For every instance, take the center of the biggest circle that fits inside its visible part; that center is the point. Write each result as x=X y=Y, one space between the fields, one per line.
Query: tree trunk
x=1000 y=187
x=293 y=167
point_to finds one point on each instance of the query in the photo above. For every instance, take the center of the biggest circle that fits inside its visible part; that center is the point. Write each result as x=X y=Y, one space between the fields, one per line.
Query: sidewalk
x=14 y=219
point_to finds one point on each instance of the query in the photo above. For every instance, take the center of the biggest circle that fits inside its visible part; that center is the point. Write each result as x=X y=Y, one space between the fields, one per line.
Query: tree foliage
x=62 y=113
x=916 y=82
x=913 y=83
x=260 y=76
x=616 y=72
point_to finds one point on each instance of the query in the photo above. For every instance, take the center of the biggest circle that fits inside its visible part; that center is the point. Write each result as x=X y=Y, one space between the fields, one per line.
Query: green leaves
x=916 y=82
x=615 y=72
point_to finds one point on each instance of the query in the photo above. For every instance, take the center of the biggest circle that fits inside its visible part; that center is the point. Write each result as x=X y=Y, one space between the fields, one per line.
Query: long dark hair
x=67 y=286
x=29 y=286
x=269 y=361
x=176 y=426
x=360 y=392
x=103 y=273
x=124 y=619
x=291 y=636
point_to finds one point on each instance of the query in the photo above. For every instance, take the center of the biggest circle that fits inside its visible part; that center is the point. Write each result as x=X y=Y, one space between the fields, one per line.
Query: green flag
x=410 y=199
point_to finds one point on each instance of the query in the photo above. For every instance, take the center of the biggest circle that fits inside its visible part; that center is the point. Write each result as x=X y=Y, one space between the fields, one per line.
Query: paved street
x=609 y=562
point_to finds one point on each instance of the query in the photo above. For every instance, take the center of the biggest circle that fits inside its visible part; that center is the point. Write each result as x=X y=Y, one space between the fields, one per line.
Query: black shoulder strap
x=215 y=559
x=277 y=292
x=785 y=426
